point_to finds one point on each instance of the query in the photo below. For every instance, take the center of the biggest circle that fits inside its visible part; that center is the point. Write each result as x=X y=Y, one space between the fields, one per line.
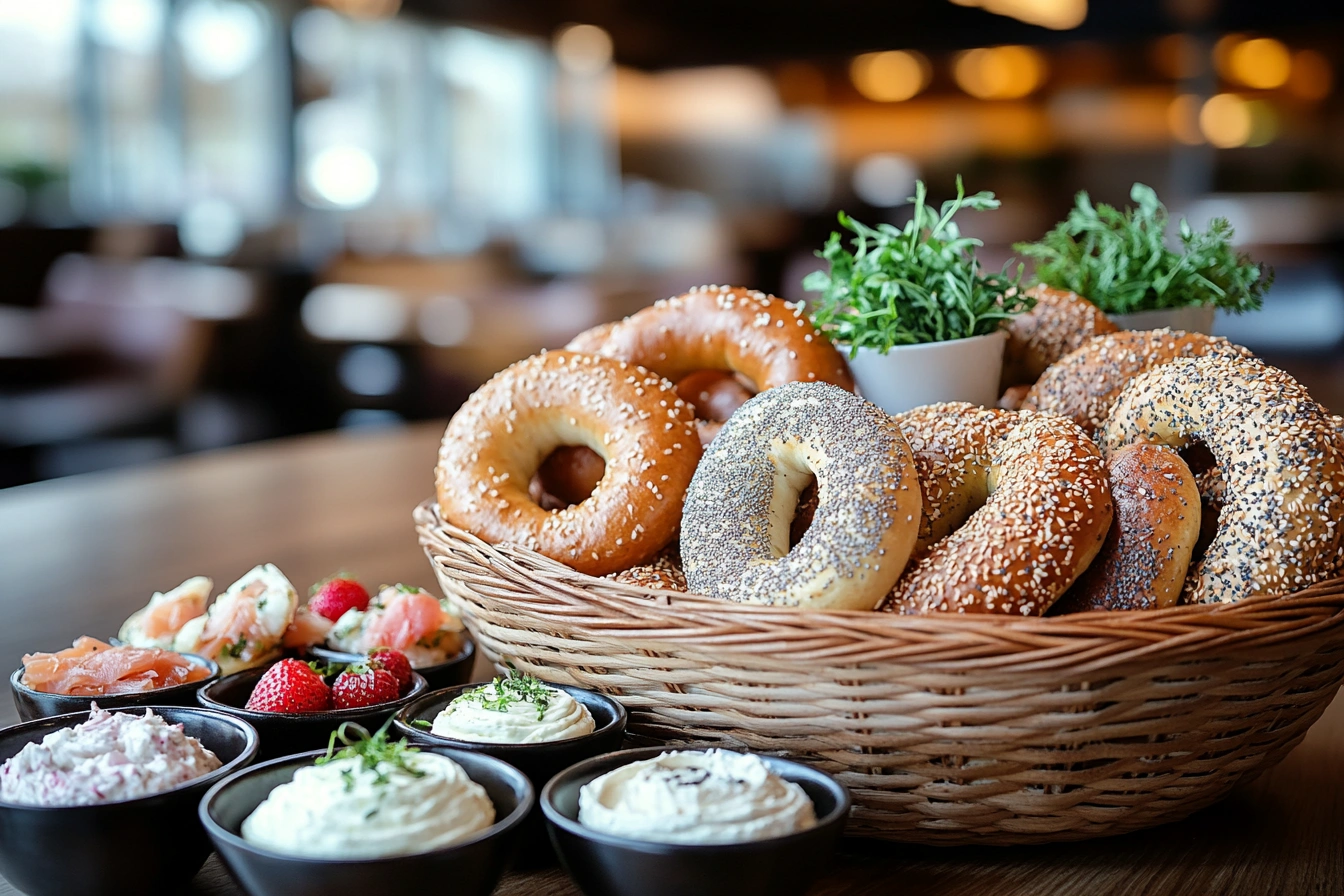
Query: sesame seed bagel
x=1084 y=384
x=1046 y=508
x=664 y=574
x=735 y=526
x=1281 y=462
x=1060 y=322
x=631 y=417
x=768 y=340
x=1147 y=552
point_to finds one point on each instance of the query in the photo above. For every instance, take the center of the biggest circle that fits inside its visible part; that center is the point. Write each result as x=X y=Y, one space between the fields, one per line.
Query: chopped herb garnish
x=407 y=589
x=422 y=723
x=235 y=650
x=374 y=751
x=513 y=687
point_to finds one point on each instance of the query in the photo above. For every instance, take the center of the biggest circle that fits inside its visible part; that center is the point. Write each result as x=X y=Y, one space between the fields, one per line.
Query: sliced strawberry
x=364 y=686
x=332 y=597
x=290 y=686
x=393 y=661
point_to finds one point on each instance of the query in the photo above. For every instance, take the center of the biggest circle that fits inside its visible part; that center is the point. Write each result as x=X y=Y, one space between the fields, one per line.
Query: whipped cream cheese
x=514 y=710
x=344 y=809
x=111 y=757
x=715 y=796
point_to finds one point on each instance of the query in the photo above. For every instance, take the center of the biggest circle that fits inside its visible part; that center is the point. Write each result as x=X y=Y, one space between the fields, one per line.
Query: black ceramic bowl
x=606 y=865
x=452 y=671
x=469 y=868
x=287 y=733
x=153 y=844
x=33 y=704
x=540 y=762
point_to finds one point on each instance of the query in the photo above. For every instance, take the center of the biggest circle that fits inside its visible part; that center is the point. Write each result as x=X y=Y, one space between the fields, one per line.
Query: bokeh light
x=1000 y=73
x=890 y=76
x=583 y=49
x=885 y=179
x=1312 y=77
x=1225 y=120
x=1263 y=63
x=1183 y=119
x=344 y=176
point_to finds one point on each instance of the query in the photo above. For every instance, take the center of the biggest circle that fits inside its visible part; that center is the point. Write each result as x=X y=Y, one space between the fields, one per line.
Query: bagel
x=1084 y=384
x=629 y=416
x=735 y=528
x=765 y=339
x=1279 y=459
x=1147 y=552
x=1059 y=323
x=1025 y=498
x=663 y=574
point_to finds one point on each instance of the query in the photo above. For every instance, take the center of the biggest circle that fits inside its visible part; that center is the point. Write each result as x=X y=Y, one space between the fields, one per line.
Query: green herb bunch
x=1120 y=261
x=918 y=284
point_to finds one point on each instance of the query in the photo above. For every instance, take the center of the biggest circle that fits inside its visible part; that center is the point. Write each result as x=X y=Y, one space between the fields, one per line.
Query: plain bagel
x=736 y=524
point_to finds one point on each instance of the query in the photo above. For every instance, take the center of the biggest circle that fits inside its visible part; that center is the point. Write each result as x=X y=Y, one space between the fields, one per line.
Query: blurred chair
x=114 y=345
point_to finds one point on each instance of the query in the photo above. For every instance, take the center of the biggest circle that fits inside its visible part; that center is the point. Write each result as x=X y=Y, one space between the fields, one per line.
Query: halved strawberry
x=290 y=686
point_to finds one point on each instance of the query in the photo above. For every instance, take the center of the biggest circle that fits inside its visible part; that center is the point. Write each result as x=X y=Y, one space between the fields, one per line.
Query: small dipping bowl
x=539 y=761
x=287 y=733
x=469 y=868
x=452 y=671
x=607 y=865
x=147 y=845
x=33 y=704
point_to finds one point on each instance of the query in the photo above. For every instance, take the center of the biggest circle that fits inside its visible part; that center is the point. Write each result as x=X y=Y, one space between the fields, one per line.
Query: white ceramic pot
x=1192 y=318
x=911 y=375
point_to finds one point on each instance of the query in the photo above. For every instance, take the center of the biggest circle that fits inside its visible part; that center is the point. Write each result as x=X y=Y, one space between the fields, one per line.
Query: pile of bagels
x=713 y=443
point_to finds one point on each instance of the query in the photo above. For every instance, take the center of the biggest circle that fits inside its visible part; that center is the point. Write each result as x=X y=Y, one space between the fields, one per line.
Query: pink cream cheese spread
x=110 y=757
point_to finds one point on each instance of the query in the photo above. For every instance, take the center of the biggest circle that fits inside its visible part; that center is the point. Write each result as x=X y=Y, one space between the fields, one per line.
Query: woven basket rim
x=1169 y=627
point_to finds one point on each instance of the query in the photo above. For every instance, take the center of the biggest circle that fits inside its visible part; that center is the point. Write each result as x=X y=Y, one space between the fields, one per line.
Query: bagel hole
x=803 y=512
x=567 y=477
x=1204 y=466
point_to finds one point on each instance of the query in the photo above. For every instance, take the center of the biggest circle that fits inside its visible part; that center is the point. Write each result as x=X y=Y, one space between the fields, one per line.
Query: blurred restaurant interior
x=223 y=221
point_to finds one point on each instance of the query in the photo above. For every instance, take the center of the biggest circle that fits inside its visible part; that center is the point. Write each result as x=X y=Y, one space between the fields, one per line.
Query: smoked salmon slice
x=91 y=668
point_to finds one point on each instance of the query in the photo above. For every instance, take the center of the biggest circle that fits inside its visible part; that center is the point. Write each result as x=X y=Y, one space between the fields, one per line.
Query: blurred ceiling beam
x=703 y=32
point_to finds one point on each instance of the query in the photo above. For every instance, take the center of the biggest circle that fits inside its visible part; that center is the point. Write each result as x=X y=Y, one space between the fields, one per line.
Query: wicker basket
x=947 y=729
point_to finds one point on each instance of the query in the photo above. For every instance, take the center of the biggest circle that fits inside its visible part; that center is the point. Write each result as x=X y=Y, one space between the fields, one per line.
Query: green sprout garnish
x=235 y=650
x=422 y=723
x=1120 y=260
x=374 y=751
x=513 y=687
x=912 y=285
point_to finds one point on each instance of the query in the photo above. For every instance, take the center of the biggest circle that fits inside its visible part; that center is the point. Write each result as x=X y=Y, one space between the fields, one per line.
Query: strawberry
x=332 y=597
x=290 y=686
x=362 y=685
x=393 y=661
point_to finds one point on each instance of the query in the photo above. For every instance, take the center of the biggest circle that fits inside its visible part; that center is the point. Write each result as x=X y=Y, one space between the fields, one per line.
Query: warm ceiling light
x=1311 y=77
x=1263 y=63
x=1183 y=119
x=1226 y=121
x=1059 y=15
x=890 y=76
x=363 y=9
x=1264 y=123
x=999 y=73
x=583 y=49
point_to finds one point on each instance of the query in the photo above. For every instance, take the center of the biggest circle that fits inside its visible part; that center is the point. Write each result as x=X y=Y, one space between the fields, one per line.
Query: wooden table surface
x=78 y=555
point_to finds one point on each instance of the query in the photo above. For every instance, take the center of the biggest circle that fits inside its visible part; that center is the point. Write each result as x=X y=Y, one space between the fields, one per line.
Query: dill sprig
x=513 y=687
x=374 y=751
x=1120 y=260
x=912 y=285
